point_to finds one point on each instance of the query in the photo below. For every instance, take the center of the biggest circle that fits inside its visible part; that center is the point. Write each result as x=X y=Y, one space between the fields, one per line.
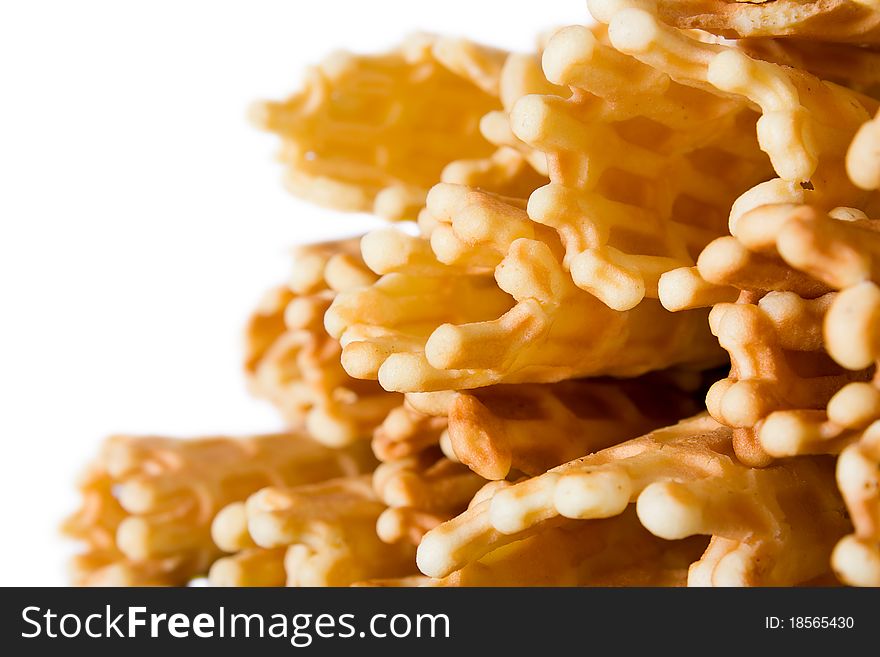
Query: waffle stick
x=292 y=362
x=148 y=502
x=376 y=132
x=609 y=552
x=322 y=534
x=684 y=481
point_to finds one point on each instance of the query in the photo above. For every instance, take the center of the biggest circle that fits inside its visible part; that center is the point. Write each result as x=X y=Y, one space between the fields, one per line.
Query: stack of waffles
x=622 y=328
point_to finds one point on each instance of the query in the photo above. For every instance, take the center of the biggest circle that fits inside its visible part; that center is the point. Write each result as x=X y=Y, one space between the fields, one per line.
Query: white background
x=142 y=218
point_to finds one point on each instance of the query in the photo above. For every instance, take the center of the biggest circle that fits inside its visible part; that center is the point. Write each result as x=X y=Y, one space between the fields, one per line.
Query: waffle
x=292 y=362
x=684 y=481
x=780 y=412
x=407 y=432
x=610 y=552
x=806 y=124
x=526 y=322
x=854 y=416
x=769 y=316
x=469 y=228
x=773 y=333
x=841 y=251
x=418 y=483
x=785 y=395
x=322 y=535
x=148 y=502
x=249 y=565
x=376 y=132
x=643 y=170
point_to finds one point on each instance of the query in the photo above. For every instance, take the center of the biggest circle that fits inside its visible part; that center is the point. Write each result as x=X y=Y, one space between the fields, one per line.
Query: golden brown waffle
x=773 y=333
x=806 y=124
x=847 y=21
x=420 y=492
x=643 y=169
x=856 y=558
x=781 y=376
x=148 y=502
x=249 y=565
x=684 y=481
x=326 y=532
x=785 y=396
x=837 y=249
x=429 y=326
x=292 y=362
x=841 y=252
x=376 y=132
x=785 y=261
x=610 y=552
